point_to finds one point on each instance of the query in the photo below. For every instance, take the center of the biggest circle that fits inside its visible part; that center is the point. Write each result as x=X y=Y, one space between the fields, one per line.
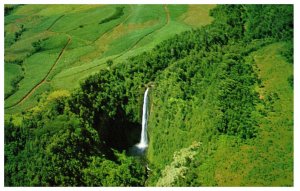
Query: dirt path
x=54 y=22
x=58 y=58
x=105 y=33
x=115 y=26
x=136 y=43
x=44 y=79
x=168 y=14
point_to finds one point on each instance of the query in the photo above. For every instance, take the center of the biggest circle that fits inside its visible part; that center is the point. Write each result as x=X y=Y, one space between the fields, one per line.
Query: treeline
x=211 y=91
x=8 y=9
x=251 y=22
x=203 y=88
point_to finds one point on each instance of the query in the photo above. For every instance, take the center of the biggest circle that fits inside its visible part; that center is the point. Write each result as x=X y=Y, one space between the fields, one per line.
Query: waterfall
x=144 y=139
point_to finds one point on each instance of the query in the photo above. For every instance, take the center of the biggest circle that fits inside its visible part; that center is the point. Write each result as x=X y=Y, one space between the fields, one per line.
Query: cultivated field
x=54 y=47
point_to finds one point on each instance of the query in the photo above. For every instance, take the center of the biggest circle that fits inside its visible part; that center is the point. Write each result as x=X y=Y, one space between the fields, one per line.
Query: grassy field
x=36 y=68
x=96 y=33
x=12 y=71
x=240 y=164
x=228 y=160
x=219 y=106
x=276 y=140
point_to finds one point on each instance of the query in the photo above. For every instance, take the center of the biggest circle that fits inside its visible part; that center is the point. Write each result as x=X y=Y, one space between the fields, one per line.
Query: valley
x=149 y=95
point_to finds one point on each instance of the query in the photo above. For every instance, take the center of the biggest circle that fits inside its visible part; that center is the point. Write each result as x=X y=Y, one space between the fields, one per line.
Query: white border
x=149 y=2
x=296 y=87
x=2 y=97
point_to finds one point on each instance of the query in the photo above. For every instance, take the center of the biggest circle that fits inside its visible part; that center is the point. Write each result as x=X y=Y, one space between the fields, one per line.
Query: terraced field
x=149 y=95
x=54 y=47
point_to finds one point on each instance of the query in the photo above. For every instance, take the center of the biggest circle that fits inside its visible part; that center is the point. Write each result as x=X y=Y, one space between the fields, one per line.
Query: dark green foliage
x=8 y=10
x=270 y=100
x=231 y=20
x=255 y=21
x=14 y=85
x=101 y=104
x=109 y=63
x=202 y=88
x=119 y=12
x=288 y=52
x=16 y=61
x=214 y=81
x=236 y=99
x=269 y=21
x=19 y=33
x=108 y=173
x=37 y=46
x=15 y=82
x=53 y=148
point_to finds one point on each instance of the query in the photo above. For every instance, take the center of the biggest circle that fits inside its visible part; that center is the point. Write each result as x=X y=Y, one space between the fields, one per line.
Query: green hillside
x=220 y=98
x=87 y=35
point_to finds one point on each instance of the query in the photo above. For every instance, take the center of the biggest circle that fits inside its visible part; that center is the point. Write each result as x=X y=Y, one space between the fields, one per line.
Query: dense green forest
x=221 y=112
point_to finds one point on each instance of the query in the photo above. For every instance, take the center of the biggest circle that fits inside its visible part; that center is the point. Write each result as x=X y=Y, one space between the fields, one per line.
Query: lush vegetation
x=36 y=35
x=117 y=14
x=221 y=113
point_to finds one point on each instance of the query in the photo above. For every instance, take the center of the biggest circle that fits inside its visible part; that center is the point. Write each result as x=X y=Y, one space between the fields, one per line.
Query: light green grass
x=86 y=24
x=59 y=9
x=267 y=159
x=36 y=68
x=176 y=25
x=197 y=15
x=55 y=42
x=16 y=119
x=23 y=47
x=139 y=29
x=144 y=13
x=164 y=33
x=276 y=134
x=31 y=102
x=11 y=19
x=177 y=10
x=126 y=42
x=148 y=38
x=118 y=46
x=47 y=10
x=11 y=72
x=70 y=59
x=69 y=78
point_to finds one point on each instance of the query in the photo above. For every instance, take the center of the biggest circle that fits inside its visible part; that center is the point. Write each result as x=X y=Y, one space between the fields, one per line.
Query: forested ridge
x=210 y=113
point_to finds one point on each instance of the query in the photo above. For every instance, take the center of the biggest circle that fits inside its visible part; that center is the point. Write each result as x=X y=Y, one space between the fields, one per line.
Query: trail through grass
x=136 y=28
x=43 y=80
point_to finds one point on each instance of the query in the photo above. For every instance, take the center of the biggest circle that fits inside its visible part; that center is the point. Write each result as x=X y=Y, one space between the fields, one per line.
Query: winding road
x=27 y=95
x=55 y=21
x=139 y=40
x=136 y=43
x=44 y=79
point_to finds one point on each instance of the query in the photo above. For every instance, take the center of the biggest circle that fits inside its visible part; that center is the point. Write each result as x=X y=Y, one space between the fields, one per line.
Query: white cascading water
x=144 y=139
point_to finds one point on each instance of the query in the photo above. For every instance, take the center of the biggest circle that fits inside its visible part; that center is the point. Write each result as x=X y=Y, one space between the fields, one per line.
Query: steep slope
x=221 y=112
x=228 y=106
